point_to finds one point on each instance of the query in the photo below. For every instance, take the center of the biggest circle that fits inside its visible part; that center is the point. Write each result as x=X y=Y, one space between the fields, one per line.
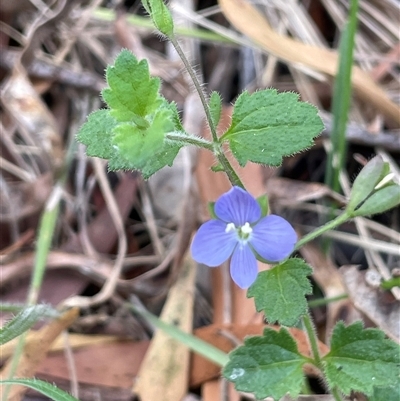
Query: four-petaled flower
x=242 y=232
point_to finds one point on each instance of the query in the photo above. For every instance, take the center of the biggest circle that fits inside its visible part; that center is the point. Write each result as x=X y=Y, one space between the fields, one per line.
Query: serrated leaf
x=23 y=321
x=215 y=105
x=280 y=292
x=97 y=133
x=131 y=134
x=160 y=159
x=361 y=359
x=42 y=387
x=268 y=365
x=268 y=125
x=132 y=92
x=139 y=145
x=390 y=393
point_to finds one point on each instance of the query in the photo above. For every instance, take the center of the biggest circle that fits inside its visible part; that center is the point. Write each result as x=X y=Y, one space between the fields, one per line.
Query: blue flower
x=241 y=232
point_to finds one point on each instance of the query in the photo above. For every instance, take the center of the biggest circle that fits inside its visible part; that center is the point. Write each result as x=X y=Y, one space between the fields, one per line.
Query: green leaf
x=215 y=105
x=164 y=157
x=361 y=359
x=211 y=210
x=217 y=168
x=280 y=292
x=268 y=365
x=23 y=321
x=139 y=145
x=267 y=126
x=132 y=92
x=132 y=133
x=390 y=393
x=380 y=201
x=365 y=182
x=45 y=388
x=97 y=133
x=264 y=204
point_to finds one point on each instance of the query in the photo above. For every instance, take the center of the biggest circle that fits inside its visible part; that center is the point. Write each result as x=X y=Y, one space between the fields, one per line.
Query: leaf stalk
x=326 y=227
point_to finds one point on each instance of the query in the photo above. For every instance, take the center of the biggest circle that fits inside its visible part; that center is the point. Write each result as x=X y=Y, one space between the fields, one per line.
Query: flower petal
x=212 y=245
x=243 y=268
x=273 y=238
x=237 y=206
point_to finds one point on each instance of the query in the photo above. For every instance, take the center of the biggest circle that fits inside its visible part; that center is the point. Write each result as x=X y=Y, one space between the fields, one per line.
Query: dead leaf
x=26 y=107
x=164 y=372
x=36 y=350
x=377 y=305
x=111 y=364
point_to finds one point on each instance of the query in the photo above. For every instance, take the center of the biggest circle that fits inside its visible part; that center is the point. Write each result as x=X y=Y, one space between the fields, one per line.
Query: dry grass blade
x=252 y=23
x=109 y=286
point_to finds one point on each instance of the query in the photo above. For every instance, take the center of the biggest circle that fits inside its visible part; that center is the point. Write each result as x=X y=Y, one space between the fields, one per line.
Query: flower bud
x=161 y=16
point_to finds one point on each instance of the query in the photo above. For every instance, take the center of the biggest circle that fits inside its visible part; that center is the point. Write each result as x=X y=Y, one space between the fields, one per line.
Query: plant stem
x=217 y=148
x=197 y=85
x=229 y=171
x=336 y=394
x=324 y=301
x=326 y=227
x=312 y=338
x=191 y=140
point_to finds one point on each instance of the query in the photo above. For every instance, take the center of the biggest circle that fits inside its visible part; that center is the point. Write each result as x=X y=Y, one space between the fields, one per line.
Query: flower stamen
x=230 y=227
x=245 y=231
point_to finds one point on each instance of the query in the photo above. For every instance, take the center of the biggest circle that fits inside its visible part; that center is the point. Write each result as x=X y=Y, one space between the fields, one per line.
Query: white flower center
x=243 y=231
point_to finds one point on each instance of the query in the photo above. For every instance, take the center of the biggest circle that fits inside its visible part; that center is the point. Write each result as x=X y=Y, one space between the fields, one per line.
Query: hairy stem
x=197 y=85
x=190 y=140
x=229 y=171
x=312 y=338
x=217 y=148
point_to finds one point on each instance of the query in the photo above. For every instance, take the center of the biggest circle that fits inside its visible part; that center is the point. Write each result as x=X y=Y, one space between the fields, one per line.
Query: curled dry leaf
x=377 y=305
x=30 y=112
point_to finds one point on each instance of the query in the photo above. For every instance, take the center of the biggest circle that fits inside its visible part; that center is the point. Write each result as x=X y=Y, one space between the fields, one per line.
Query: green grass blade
x=195 y=344
x=42 y=387
x=341 y=101
x=105 y=14
x=23 y=321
